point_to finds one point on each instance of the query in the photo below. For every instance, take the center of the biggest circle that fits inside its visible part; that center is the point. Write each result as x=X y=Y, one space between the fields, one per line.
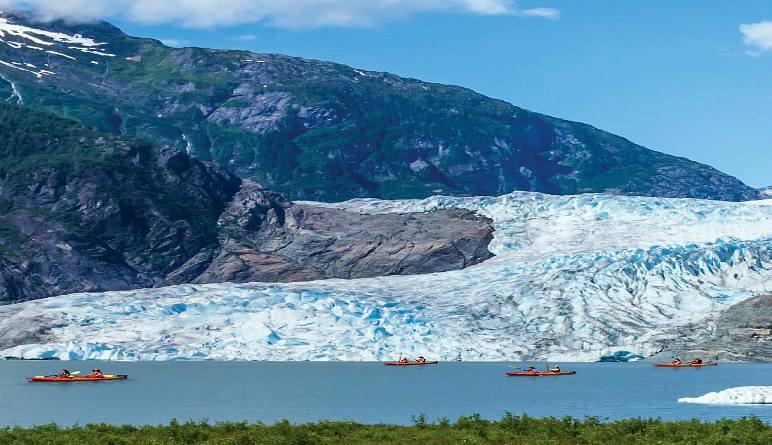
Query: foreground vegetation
x=467 y=430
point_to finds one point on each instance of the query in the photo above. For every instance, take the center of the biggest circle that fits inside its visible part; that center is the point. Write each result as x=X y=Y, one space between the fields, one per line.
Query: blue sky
x=675 y=76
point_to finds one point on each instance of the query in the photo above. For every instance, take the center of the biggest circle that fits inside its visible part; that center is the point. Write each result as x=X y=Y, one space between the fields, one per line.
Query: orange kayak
x=539 y=374
x=409 y=363
x=683 y=365
x=56 y=379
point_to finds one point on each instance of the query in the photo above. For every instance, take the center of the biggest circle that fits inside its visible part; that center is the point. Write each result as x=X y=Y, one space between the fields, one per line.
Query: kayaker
x=65 y=374
x=421 y=359
x=403 y=360
x=696 y=361
x=95 y=373
x=532 y=370
x=676 y=361
x=555 y=368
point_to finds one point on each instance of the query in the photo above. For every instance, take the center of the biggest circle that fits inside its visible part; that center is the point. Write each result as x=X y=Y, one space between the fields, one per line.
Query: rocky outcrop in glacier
x=574 y=278
x=743 y=333
x=266 y=238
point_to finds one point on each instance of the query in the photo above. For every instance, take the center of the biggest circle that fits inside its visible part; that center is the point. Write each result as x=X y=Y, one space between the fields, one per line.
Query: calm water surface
x=365 y=392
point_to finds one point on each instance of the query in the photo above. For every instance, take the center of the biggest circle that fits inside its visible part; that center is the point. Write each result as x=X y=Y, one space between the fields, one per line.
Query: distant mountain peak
x=15 y=33
x=324 y=131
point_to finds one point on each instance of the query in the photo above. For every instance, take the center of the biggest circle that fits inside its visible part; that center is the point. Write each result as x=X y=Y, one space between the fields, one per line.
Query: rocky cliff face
x=743 y=333
x=82 y=211
x=323 y=131
x=265 y=238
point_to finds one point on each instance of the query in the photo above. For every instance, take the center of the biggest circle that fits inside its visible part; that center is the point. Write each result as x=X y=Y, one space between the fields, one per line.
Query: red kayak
x=56 y=379
x=684 y=365
x=539 y=374
x=409 y=363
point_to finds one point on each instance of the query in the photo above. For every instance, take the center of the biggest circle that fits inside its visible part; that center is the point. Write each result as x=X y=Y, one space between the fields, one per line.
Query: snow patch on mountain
x=741 y=395
x=22 y=36
x=574 y=278
x=43 y=37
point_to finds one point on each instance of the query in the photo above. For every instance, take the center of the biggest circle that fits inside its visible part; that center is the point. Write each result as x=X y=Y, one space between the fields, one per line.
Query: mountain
x=766 y=192
x=84 y=211
x=578 y=278
x=324 y=131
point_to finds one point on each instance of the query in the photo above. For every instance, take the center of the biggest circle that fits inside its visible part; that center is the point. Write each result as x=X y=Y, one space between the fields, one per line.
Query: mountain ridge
x=84 y=211
x=325 y=131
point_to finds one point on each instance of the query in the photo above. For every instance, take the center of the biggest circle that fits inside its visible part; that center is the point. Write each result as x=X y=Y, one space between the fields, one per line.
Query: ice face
x=574 y=278
x=741 y=395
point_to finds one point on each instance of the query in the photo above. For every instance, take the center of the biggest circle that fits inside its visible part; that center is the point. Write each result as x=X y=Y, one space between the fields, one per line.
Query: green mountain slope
x=84 y=211
x=319 y=130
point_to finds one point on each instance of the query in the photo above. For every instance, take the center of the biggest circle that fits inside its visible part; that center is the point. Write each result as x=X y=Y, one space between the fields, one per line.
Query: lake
x=156 y=392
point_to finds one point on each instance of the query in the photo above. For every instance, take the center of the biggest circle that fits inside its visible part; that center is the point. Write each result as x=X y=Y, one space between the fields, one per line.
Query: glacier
x=741 y=395
x=574 y=278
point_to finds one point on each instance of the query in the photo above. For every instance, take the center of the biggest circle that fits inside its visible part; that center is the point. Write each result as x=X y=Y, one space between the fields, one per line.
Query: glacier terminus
x=574 y=278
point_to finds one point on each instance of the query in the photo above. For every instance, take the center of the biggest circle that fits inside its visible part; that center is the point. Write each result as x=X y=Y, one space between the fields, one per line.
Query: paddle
x=57 y=375
x=517 y=368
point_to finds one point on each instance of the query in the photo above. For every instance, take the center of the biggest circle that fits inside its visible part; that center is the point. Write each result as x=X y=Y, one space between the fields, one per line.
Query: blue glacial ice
x=574 y=278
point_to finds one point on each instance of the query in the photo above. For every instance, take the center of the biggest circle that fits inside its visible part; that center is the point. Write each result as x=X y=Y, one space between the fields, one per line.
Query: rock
x=18 y=328
x=270 y=239
x=100 y=213
x=743 y=333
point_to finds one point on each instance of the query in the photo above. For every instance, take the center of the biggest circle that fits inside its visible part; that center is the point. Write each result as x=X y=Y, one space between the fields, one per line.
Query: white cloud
x=74 y=10
x=176 y=43
x=758 y=36
x=545 y=13
x=245 y=37
x=284 y=13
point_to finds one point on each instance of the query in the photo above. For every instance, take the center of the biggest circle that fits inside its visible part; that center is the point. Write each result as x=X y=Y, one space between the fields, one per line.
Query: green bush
x=521 y=430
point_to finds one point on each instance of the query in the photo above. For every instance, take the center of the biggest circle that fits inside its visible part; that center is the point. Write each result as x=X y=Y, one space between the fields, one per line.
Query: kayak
x=107 y=377
x=683 y=365
x=409 y=363
x=539 y=374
